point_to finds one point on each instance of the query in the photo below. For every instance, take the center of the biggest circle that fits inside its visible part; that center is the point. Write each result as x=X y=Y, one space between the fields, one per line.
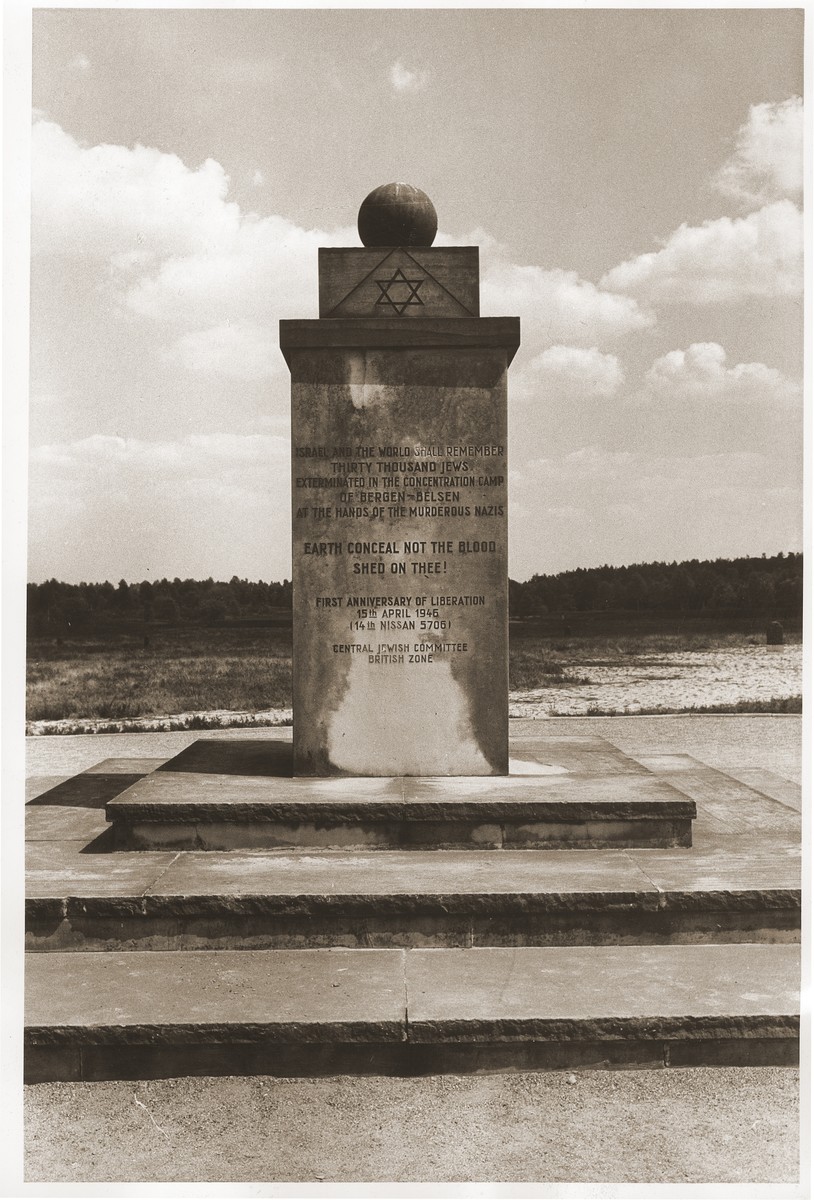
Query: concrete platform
x=147 y=1015
x=223 y=795
x=731 y=899
x=735 y=884
x=261 y=900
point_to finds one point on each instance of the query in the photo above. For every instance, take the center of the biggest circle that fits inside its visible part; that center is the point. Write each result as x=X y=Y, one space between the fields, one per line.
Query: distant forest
x=739 y=587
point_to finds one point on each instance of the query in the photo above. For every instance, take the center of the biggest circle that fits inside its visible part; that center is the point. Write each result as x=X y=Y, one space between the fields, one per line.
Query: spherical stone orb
x=397 y=214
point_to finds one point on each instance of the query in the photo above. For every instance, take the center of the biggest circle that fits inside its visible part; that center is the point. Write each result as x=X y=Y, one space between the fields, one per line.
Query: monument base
x=417 y=961
x=227 y=795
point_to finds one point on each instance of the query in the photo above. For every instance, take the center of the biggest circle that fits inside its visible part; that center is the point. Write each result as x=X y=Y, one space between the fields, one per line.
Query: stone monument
x=399 y=498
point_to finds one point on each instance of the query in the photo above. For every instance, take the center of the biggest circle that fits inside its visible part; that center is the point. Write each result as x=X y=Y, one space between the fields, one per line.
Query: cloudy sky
x=632 y=177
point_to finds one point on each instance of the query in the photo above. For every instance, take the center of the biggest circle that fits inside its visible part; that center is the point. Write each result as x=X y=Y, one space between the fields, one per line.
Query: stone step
x=219 y=794
x=177 y=810
x=151 y=900
x=139 y=1014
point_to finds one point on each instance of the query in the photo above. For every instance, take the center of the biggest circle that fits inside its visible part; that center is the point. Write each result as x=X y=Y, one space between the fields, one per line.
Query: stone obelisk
x=399 y=493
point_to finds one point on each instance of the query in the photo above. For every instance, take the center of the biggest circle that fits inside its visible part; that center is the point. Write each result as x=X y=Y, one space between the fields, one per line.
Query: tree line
x=743 y=586
x=762 y=586
x=75 y=606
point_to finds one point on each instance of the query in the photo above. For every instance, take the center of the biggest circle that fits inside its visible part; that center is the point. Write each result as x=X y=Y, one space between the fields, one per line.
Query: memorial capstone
x=399 y=506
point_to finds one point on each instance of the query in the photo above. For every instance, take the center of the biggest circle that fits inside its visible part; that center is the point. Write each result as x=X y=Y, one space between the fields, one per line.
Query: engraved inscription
x=412 y=484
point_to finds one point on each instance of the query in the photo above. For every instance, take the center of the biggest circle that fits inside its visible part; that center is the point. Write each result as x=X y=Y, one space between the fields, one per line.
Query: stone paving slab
x=451 y=879
x=187 y=810
x=555 y=754
x=59 y=870
x=767 y=783
x=728 y=742
x=727 y=800
x=559 y=993
x=222 y=756
x=554 y=876
x=732 y=873
x=740 y=869
x=37 y=785
x=602 y=991
x=180 y=796
x=192 y=996
x=785 y=791
x=55 y=824
x=738 y=800
x=544 y=878
x=125 y=766
x=47 y=755
x=583 y=755
x=609 y=794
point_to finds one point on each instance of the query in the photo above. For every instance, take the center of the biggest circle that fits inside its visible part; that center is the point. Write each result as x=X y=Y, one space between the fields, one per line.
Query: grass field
x=539 y=661
x=181 y=670
x=248 y=669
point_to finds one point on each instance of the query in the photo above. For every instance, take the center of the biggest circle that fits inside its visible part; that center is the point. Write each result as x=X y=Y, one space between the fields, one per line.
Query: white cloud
x=168 y=245
x=267 y=270
x=403 y=79
x=700 y=373
x=258 y=178
x=555 y=306
x=574 y=372
x=240 y=350
x=79 y=65
x=171 y=247
x=768 y=160
x=721 y=261
x=103 y=201
x=730 y=259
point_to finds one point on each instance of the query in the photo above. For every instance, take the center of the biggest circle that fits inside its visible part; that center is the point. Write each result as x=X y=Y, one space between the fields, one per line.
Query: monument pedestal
x=400 y=513
x=400 y=568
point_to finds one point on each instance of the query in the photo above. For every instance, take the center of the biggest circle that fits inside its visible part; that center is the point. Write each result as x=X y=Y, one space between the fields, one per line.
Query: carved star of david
x=406 y=291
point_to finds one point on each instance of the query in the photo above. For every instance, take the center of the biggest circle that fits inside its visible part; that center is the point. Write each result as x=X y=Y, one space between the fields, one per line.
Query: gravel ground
x=700 y=1125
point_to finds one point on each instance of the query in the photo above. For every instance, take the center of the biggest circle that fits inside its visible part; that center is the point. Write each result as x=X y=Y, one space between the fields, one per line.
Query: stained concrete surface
x=64 y=824
x=728 y=743
x=368 y=995
x=465 y=993
x=412 y=874
x=700 y=1125
x=333 y=995
x=61 y=869
x=170 y=795
x=385 y=694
